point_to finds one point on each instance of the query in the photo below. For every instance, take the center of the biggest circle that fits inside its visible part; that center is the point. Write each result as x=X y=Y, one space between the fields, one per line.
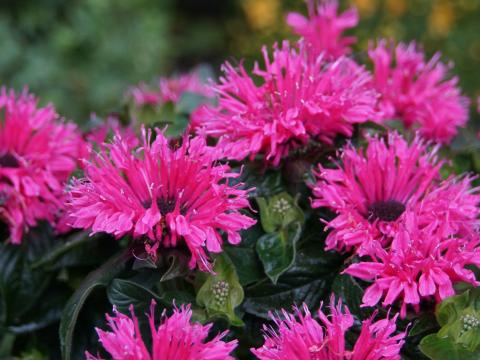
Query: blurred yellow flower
x=261 y=14
x=441 y=18
x=396 y=8
x=366 y=8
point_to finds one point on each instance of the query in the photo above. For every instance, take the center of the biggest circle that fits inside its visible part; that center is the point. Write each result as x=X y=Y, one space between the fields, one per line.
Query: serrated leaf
x=221 y=293
x=277 y=250
x=101 y=277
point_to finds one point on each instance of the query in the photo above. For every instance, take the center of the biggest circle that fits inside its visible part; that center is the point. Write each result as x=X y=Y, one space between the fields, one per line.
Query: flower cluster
x=298 y=100
x=175 y=338
x=322 y=31
x=169 y=90
x=418 y=92
x=38 y=152
x=417 y=233
x=300 y=336
x=163 y=194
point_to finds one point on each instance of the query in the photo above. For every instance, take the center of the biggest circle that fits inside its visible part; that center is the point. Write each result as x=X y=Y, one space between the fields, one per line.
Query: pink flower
x=310 y=339
x=169 y=89
x=161 y=194
x=103 y=130
x=419 y=265
x=175 y=338
x=38 y=152
x=415 y=232
x=418 y=92
x=373 y=189
x=322 y=31
x=297 y=100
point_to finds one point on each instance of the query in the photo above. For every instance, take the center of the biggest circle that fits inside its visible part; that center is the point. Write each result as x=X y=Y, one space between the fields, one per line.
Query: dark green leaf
x=98 y=278
x=308 y=280
x=425 y=323
x=123 y=293
x=178 y=266
x=277 y=250
x=349 y=290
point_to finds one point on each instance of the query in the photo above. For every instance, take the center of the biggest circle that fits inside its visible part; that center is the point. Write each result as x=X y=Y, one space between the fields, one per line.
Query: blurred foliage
x=83 y=54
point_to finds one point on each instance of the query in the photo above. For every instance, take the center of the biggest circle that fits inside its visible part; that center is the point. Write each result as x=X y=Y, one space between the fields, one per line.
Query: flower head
x=322 y=31
x=175 y=338
x=418 y=92
x=169 y=90
x=38 y=152
x=300 y=336
x=415 y=231
x=163 y=194
x=372 y=191
x=419 y=264
x=297 y=100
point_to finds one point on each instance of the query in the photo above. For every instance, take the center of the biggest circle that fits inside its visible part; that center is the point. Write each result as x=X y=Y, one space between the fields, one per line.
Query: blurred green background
x=83 y=54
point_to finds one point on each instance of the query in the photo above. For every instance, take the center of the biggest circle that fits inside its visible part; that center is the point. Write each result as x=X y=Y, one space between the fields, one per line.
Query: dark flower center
x=166 y=205
x=8 y=160
x=389 y=210
x=3 y=230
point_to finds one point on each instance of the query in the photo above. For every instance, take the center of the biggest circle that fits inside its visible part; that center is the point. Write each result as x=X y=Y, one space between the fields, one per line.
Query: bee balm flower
x=372 y=191
x=170 y=89
x=163 y=194
x=418 y=92
x=322 y=31
x=299 y=336
x=297 y=100
x=175 y=338
x=38 y=152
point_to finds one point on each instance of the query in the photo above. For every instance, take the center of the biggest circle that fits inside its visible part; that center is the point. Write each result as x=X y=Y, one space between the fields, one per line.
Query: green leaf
x=265 y=183
x=279 y=211
x=61 y=249
x=277 y=250
x=437 y=348
x=425 y=323
x=308 y=280
x=349 y=290
x=247 y=264
x=221 y=292
x=123 y=293
x=100 y=277
x=20 y=285
x=6 y=344
x=189 y=101
x=178 y=266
